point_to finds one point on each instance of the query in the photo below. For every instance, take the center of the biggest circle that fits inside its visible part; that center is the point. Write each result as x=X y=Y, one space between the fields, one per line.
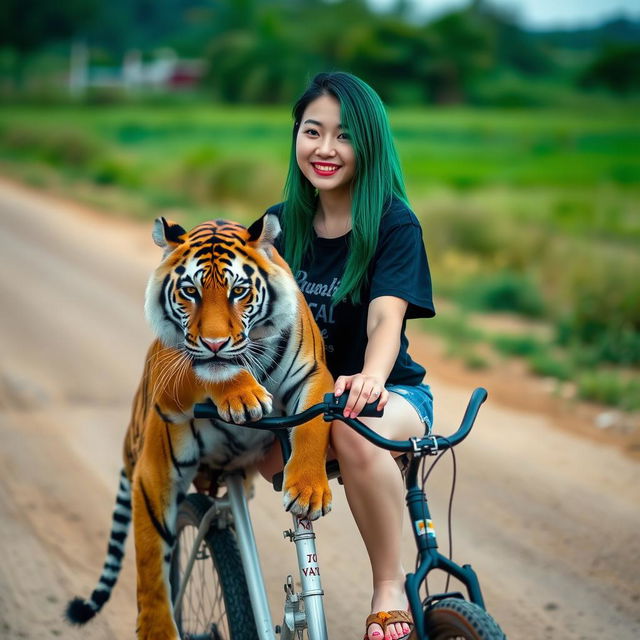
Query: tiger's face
x=219 y=291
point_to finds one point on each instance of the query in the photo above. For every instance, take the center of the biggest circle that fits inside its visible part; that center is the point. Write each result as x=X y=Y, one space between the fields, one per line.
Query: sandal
x=384 y=618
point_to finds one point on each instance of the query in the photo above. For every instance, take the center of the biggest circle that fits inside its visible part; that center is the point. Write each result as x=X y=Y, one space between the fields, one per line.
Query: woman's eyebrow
x=319 y=124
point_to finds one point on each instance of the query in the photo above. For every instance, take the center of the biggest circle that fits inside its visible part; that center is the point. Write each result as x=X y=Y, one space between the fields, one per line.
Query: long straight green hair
x=377 y=178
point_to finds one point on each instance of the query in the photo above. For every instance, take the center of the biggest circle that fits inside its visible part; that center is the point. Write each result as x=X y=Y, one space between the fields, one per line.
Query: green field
x=535 y=212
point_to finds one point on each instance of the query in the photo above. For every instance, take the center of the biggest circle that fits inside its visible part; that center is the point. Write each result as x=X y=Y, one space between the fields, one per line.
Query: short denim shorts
x=419 y=397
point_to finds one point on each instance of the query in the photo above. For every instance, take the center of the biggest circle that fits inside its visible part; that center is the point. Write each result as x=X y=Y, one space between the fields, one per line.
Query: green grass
x=535 y=211
x=596 y=383
x=461 y=148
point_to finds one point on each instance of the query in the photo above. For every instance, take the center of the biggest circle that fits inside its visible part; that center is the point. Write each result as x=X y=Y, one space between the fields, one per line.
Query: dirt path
x=548 y=518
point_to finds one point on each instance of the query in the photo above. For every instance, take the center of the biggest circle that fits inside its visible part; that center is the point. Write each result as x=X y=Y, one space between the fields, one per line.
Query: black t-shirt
x=399 y=268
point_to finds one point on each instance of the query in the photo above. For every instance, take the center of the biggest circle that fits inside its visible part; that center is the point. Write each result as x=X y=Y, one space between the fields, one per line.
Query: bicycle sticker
x=425 y=527
x=305 y=524
x=312 y=568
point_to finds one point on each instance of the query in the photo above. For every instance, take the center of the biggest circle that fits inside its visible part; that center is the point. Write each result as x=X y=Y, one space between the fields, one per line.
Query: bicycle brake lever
x=337 y=405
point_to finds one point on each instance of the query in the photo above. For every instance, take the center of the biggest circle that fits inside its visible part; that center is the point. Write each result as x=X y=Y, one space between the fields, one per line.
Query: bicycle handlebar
x=332 y=408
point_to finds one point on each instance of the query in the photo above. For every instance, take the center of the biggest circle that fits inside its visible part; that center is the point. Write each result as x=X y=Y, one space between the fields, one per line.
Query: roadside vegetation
x=520 y=147
x=528 y=212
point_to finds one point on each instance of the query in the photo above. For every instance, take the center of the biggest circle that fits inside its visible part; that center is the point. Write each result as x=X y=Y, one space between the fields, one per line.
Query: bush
x=455 y=327
x=70 y=148
x=602 y=313
x=112 y=170
x=20 y=139
x=617 y=68
x=611 y=388
x=595 y=340
x=503 y=291
x=469 y=230
x=208 y=180
x=517 y=345
x=544 y=364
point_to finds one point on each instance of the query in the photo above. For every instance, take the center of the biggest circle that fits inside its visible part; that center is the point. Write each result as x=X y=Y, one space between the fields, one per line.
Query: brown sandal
x=384 y=618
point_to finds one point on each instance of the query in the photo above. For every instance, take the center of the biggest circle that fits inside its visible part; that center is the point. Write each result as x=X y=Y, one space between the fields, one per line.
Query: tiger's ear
x=265 y=229
x=167 y=235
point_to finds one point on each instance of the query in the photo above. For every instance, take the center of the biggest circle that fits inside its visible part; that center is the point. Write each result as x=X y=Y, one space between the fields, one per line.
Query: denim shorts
x=419 y=397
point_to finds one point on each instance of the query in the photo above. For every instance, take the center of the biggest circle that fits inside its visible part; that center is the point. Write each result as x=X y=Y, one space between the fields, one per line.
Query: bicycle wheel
x=456 y=619
x=216 y=604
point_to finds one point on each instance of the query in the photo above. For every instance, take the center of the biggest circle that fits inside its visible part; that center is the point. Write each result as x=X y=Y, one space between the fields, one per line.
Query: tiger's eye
x=189 y=290
x=238 y=290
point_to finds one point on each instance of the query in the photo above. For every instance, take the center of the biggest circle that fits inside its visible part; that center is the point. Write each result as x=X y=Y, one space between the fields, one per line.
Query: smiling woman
x=323 y=151
x=356 y=249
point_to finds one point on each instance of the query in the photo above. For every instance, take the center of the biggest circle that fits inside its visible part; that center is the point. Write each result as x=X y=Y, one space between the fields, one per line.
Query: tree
x=461 y=50
x=28 y=25
x=617 y=68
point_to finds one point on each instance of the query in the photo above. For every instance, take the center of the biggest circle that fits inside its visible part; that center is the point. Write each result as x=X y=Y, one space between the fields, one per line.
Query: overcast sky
x=540 y=13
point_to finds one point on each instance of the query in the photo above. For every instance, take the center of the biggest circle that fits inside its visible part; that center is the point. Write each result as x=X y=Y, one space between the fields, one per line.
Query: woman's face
x=323 y=148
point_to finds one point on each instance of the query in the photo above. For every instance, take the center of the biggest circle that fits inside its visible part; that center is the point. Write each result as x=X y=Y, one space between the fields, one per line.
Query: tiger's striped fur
x=232 y=327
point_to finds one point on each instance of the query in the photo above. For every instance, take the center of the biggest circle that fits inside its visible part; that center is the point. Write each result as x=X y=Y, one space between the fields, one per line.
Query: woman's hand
x=384 y=326
x=362 y=389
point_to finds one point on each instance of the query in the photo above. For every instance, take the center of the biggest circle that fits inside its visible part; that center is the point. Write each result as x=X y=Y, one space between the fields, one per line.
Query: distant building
x=166 y=72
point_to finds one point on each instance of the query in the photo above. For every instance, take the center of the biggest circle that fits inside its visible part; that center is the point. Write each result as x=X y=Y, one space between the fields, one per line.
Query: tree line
x=263 y=51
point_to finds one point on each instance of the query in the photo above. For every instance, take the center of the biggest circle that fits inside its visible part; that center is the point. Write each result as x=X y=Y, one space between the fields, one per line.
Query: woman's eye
x=311 y=132
x=344 y=136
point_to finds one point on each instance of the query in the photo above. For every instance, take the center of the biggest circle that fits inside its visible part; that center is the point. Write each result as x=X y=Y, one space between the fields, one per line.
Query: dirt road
x=549 y=519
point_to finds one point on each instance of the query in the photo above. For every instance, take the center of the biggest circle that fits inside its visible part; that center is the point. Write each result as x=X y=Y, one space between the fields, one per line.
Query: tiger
x=231 y=327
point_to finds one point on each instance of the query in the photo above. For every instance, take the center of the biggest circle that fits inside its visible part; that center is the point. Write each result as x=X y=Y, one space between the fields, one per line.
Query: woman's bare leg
x=375 y=492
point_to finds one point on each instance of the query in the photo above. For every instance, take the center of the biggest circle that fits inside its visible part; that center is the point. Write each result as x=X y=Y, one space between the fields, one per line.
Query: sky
x=539 y=14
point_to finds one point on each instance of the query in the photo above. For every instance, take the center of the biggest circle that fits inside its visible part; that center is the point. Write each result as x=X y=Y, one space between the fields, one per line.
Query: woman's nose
x=326 y=148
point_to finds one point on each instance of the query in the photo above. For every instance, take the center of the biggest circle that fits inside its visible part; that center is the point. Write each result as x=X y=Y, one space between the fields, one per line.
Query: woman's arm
x=384 y=325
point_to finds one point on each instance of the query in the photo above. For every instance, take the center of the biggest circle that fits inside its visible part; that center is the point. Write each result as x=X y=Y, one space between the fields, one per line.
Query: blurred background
x=517 y=125
x=518 y=128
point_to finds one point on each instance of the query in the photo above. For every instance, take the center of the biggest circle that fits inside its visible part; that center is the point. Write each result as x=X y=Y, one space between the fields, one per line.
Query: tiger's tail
x=80 y=610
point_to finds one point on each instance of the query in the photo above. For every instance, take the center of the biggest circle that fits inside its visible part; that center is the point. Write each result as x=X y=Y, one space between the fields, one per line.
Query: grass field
x=532 y=211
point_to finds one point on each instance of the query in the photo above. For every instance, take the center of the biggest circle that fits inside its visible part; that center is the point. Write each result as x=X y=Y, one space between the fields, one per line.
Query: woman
x=356 y=250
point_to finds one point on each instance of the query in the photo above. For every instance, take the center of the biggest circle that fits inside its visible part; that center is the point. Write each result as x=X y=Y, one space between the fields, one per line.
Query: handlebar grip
x=337 y=405
x=206 y=410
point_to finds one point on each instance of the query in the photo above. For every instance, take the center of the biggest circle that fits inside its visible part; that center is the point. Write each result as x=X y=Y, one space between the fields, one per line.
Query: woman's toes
x=375 y=632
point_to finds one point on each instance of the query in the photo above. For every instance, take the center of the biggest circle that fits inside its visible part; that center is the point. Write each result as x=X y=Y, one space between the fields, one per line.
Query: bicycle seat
x=333 y=471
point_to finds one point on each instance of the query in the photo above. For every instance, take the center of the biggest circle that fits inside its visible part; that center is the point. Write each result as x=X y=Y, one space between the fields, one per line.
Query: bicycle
x=218 y=529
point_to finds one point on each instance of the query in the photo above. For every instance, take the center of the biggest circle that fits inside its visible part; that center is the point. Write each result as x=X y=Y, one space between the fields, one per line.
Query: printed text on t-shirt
x=322 y=312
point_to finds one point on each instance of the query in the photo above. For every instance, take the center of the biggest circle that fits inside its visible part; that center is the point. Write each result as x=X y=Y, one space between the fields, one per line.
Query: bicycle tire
x=216 y=604
x=457 y=619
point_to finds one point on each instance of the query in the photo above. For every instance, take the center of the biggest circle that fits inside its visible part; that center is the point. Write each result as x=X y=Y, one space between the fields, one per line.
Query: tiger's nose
x=215 y=344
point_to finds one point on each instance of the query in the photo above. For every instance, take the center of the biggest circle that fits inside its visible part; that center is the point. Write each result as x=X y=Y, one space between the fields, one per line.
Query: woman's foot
x=388 y=596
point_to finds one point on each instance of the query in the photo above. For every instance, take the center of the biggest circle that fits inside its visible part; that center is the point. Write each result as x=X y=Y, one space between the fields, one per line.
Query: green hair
x=377 y=178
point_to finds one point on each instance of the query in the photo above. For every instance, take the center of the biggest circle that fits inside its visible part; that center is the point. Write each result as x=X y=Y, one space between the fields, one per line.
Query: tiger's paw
x=243 y=404
x=306 y=491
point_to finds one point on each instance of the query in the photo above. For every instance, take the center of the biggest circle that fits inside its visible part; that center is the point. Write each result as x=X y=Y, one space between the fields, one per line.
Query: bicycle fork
x=429 y=556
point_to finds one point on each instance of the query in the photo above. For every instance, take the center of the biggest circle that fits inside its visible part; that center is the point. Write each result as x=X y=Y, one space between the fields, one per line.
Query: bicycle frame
x=302 y=535
x=234 y=505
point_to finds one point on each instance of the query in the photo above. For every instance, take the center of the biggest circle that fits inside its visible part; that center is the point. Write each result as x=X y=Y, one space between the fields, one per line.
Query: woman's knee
x=351 y=448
